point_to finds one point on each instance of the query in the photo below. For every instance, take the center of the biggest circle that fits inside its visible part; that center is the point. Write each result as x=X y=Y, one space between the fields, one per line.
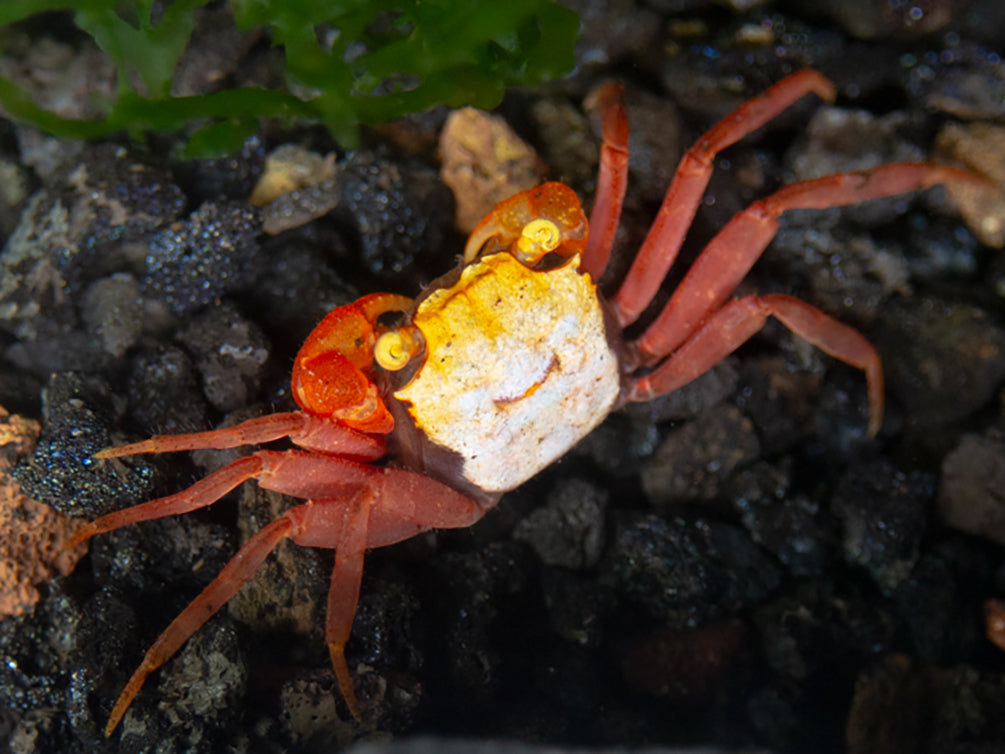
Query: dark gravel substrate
x=735 y=565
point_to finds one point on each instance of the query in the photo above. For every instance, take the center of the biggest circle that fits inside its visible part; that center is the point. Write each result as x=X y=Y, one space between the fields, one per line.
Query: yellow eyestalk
x=537 y=238
x=395 y=348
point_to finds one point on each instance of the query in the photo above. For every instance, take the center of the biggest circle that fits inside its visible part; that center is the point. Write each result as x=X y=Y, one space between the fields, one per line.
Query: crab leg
x=376 y=510
x=395 y=505
x=732 y=325
x=343 y=595
x=303 y=429
x=732 y=252
x=292 y=472
x=234 y=575
x=660 y=248
x=612 y=180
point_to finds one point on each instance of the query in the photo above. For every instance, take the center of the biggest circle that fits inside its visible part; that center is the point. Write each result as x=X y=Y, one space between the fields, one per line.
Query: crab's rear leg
x=732 y=252
x=697 y=336
x=660 y=248
x=736 y=322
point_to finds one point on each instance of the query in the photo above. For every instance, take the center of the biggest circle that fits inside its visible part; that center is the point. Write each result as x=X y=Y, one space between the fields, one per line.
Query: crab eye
x=537 y=238
x=395 y=348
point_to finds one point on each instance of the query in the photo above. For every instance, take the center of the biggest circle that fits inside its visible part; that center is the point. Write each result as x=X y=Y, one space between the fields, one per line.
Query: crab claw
x=533 y=223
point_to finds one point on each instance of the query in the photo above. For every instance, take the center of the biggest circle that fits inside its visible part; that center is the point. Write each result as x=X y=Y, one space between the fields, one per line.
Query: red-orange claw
x=505 y=225
x=334 y=369
x=350 y=330
x=330 y=385
x=376 y=304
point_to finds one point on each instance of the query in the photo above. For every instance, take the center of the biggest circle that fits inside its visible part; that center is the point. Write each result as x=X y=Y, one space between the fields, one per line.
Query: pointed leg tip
x=130 y=691
x=119 y=451
x=159 y=444
x=608 y=94
x=960 y=175
x=875 y=425
x=822 y=86
x=116 y=717
x=337 y=652
x=79 y=537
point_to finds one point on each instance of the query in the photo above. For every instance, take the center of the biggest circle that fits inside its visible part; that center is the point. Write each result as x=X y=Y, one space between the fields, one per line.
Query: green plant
x=349 y=61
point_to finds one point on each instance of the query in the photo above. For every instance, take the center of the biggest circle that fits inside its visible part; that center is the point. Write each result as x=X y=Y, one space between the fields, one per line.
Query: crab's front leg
x=374 y=507
x=293 y=472
x=351 y=505
x=731 y=326
x=341 y=410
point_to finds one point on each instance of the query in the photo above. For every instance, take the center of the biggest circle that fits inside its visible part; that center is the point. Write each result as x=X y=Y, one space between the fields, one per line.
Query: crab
x=503 y=365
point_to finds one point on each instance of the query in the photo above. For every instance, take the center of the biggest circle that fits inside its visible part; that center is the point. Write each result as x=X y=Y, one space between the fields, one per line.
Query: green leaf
x=350 y=61
x=152 y=50
x=218 y=139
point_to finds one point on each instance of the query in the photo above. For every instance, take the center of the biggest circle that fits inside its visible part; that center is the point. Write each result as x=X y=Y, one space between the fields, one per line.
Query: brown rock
x=31 y=534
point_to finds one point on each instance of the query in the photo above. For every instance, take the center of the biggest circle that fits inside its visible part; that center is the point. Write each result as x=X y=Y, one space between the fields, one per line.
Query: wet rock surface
x=32 y=535
x=882 y=512
x=79 y=226
x=77 y=423
x=399 y=211
x=192 y=262
x=973 y=477
x=733 y=565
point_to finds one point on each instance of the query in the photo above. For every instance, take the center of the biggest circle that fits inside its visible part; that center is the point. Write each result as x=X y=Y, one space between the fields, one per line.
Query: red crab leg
x=303 y=429
x=732 y=325
x=612 y=180
x=660 y=248
x=343 y=595
x=234 y=575
x=292 y=472
x=395 y=505
x=383 y=507
x=731 y=253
